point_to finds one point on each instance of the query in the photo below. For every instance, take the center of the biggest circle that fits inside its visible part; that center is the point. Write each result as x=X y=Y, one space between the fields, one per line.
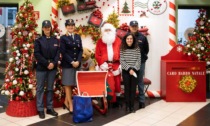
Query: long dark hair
x=124 y=45
x=51 y=32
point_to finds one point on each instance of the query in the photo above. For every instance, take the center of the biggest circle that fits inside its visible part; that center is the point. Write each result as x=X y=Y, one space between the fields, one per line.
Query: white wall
x=158 y=30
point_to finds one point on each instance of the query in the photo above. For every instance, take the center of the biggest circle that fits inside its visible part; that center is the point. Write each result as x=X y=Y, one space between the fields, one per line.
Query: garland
x=62 y=3
x=187 y=84
x=93 y=31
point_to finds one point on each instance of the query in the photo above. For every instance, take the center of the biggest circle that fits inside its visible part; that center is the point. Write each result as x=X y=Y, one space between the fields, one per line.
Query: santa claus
x=108 y=55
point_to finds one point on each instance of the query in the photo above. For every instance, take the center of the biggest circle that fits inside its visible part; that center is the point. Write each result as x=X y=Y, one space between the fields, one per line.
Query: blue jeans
x=41 y=77
x=141 y=83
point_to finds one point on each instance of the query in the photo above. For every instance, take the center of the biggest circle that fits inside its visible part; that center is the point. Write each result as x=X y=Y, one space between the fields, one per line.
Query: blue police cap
x=69 y=22
x=46 y=23
x=133 y=23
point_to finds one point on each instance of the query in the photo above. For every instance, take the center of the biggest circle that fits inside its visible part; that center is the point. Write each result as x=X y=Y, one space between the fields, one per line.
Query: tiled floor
x=160 y=113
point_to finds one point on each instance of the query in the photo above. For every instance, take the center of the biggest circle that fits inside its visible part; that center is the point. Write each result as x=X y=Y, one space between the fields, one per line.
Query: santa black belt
x=111 y=61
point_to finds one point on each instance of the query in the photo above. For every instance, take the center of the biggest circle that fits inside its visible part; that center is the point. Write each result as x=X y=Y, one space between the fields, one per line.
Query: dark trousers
x=41 y=77
x=130 y=83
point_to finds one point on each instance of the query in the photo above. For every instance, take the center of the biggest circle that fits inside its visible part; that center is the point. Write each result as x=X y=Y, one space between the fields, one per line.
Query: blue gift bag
x=82 y=109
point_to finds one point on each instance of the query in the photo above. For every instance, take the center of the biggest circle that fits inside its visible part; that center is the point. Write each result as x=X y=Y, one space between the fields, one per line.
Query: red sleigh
x=94 y=83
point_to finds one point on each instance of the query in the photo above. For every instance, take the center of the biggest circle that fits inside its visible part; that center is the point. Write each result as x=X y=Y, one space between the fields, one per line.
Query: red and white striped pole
x=54 y=12
x=172 y=23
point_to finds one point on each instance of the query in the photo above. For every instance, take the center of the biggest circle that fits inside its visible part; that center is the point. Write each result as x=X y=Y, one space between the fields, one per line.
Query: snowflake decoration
x=179 y=49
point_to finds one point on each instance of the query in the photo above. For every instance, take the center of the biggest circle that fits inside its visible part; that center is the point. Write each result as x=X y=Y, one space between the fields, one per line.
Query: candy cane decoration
x=172 y=23
x=54 y=11
x=152 y=94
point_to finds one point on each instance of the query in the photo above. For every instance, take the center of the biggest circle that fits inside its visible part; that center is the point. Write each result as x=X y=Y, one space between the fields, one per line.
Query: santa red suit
x=107 y=55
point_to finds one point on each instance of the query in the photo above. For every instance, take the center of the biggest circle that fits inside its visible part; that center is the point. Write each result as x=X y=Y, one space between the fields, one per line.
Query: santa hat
x=108 y=26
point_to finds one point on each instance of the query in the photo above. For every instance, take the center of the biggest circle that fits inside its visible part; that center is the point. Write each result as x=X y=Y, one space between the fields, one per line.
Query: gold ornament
x=187 y=83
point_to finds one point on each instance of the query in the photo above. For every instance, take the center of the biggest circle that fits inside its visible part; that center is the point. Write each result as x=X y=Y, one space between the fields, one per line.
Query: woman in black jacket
x=46 y=52
x=71 y=50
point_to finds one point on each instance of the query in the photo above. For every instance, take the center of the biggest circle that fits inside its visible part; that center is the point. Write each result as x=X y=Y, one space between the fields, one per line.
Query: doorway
x=187 y=16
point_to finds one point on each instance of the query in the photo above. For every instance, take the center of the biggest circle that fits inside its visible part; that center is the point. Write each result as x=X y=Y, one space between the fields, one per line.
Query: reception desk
x=182 y=80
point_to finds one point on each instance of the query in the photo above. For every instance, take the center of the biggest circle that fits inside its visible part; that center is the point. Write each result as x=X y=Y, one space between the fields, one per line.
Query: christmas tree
x=113 y=19
x=19 y=75
x=199 y=41
x=125 y=8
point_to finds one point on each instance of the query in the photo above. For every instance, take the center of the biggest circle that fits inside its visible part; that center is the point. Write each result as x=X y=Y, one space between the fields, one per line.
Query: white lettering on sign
x=173 y=73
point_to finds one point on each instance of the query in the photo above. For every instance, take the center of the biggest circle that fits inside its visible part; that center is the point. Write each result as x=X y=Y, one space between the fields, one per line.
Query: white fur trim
x=104 y=66
x=110 y=52
x=116 y=72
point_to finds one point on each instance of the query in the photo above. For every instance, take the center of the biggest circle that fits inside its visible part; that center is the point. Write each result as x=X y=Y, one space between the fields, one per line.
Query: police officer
x=46 y=52
x=71 y=50
x=144 y=47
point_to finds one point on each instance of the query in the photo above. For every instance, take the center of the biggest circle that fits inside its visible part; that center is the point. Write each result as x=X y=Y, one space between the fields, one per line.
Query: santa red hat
x=108 y=26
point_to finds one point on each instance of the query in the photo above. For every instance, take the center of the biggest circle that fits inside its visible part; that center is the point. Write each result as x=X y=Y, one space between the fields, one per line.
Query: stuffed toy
x=87 y=62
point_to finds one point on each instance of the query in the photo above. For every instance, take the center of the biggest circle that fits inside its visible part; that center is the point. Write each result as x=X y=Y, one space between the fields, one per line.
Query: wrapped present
x=81 y=7
x=95 y=20
x=121 y=33
x=68 y=9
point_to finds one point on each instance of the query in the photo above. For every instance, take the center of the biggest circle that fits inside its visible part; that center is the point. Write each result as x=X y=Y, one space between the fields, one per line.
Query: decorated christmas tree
x=199 y=41
x=125 y=8
x=19 y=75
x=113 y=19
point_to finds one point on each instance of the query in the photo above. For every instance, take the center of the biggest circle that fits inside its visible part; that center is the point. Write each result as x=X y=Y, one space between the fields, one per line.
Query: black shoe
x=41 y=114
x=132 y=110
x=65 y=107
x=70 y=112
x=141 y=105
x=127 y=109
x=52 y=112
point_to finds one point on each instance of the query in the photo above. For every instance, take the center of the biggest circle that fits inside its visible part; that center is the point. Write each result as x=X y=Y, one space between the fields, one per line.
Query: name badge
x=139 y=41
x=55 y=44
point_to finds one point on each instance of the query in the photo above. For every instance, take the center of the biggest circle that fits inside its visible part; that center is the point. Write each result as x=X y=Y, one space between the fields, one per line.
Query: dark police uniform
x=46 y=51
x=144 y=47
x=71 y=50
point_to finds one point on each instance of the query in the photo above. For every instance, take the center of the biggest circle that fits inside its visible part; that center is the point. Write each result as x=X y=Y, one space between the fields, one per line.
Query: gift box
x=121 y=33
x=95 y=20
x=68 y=9
x=90 y=4
x=81 y=7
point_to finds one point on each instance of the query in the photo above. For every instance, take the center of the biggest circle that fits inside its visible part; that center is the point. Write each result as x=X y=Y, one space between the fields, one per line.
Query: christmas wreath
x=187 y=84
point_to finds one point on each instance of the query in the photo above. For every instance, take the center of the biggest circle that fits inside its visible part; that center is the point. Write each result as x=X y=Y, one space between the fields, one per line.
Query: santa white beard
x=108 y=37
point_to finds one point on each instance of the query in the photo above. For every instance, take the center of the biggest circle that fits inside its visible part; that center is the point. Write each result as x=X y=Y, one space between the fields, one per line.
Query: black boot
x=118 y=103
x=127 y=109
x=141 y=105
x=52 y=112
x=41 y=114
x=132 y=110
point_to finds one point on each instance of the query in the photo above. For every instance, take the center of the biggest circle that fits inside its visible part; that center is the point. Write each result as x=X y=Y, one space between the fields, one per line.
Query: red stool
x=147 y=83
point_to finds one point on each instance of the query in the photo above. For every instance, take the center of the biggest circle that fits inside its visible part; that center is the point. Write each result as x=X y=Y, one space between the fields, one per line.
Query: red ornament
x=17 y=98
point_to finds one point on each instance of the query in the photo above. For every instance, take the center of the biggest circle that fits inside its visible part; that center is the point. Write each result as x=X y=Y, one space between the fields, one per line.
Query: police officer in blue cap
x=144 y=47
x=71 y=50
x=46 y=52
